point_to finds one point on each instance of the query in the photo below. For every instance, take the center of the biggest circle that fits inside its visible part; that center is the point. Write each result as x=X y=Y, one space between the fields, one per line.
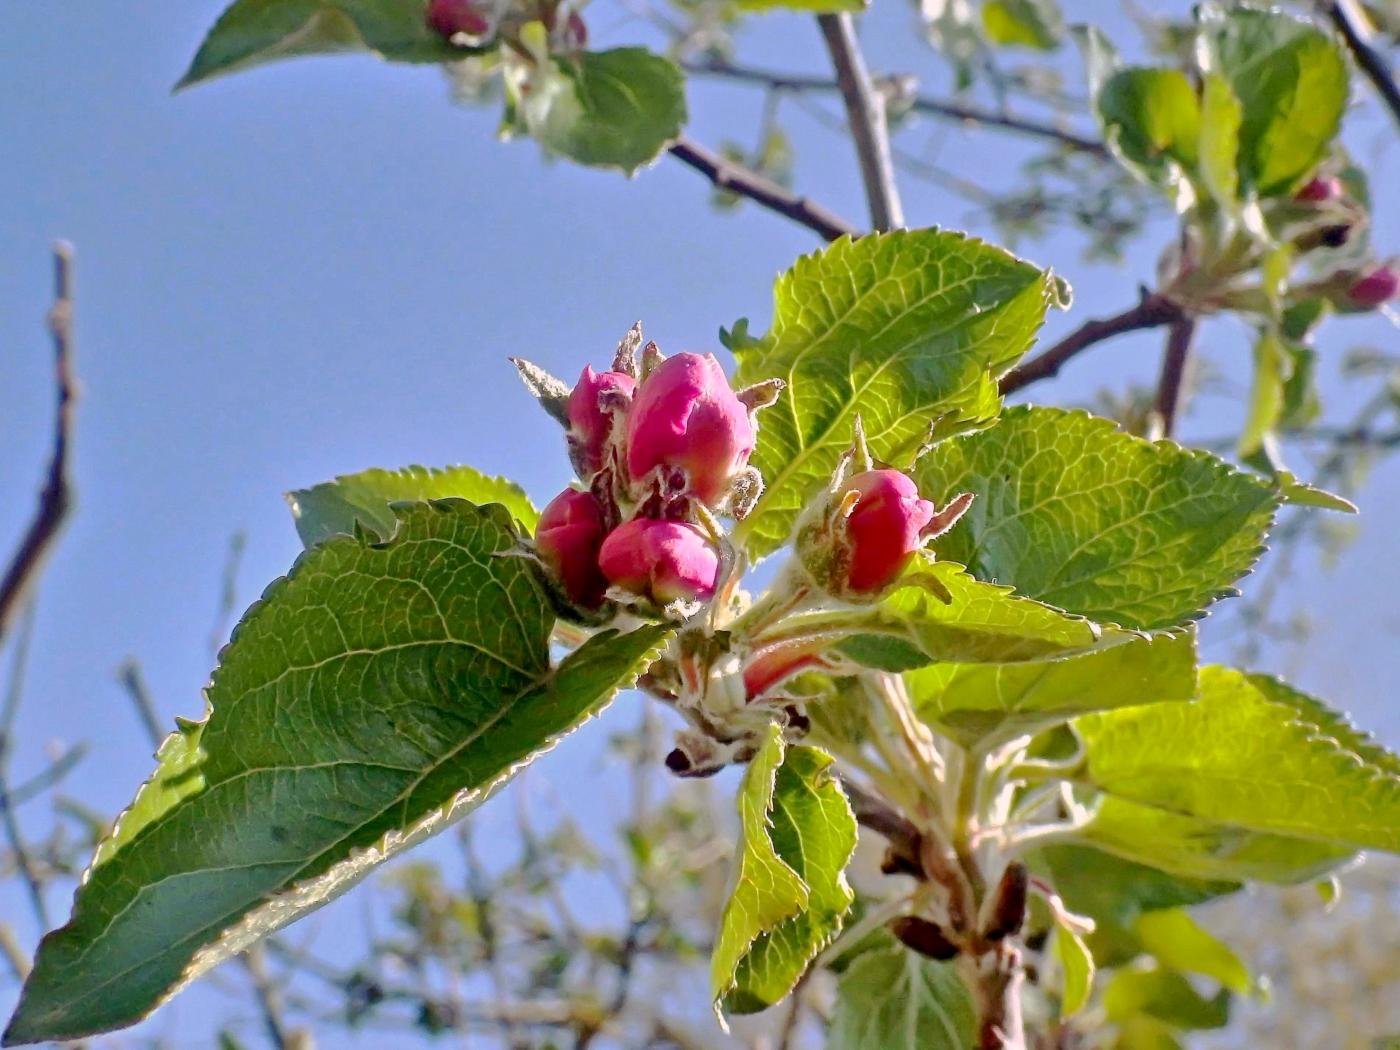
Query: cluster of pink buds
x=858 y=541
x=661 y=447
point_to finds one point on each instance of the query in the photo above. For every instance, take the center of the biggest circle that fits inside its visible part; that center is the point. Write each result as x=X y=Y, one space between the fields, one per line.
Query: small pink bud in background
x=568 y=539
x=1319 y=189
x=450 y=17
x=686 y=416
x=665 y=561
x=1375 y=288
x=884 y=528
x=590 y=424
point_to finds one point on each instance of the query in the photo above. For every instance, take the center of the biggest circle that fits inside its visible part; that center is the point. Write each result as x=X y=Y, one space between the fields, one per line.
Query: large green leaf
x=943 y=614
x=1079 y=515
x=1253 y=753
x=612 y=109
x=1076 y=965
x=1219 y=144
x=371 y=697
x=1152 y=120
x=1164 y=995
x=907 y=330
x=1291 y=80
x=251 y=32
x=1204 y=849
x=796 y=822
x=974 y=702
x=892 y=999
x=363 y=499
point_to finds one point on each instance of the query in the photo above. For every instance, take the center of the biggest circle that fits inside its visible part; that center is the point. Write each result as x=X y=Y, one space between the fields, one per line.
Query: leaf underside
x=378 y=692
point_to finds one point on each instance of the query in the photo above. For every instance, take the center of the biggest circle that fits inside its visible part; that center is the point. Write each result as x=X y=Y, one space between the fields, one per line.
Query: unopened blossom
x=687 y=418
x=1375 y=288
x=449 y=18
x=592 y=412
x=568 y=540
x=666 y=561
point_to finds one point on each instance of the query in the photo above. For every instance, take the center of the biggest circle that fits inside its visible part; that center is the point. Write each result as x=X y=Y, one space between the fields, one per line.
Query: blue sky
x=321 y=266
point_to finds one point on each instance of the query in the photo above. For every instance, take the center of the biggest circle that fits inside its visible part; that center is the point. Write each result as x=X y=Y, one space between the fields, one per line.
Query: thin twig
x=24 y=864
x=56 y=497
x=1151 y=311
x=13 y=953
x=797 y=83
x=735 y=178
x=269 y=999
x=134 y=682
x=1169 y=385
x=1353 y=26
x=865 y=113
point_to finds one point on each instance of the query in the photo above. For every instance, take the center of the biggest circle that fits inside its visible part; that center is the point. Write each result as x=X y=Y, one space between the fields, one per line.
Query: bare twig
x=735 y=178
x=879 y=816
x=796 y=83
x=269 y=999
x=1169 y=385
x=24 y=864
x=134 y=682
x=55 y=499
x=13 y=953
x=1352 y=24
x=865 y=113
x=1151 y=311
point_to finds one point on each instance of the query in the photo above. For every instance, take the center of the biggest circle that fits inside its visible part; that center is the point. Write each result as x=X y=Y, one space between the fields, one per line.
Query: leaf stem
x=865 y=114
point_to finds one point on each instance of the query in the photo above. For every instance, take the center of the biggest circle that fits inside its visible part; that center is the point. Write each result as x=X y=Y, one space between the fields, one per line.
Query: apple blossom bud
x=666 y=561
x=686 y=417
x=1320 y=188
x=568 y=539
x=591 y=418
x=451 y=17
x=1375 y=288
x=883 y=528
x=926 y=938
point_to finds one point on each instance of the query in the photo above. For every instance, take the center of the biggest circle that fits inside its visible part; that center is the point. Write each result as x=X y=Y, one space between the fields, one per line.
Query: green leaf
x=1291 y=80
x=251 y=32
x=1152 y=120
x=1114 y=892
x=1301 y=494
x=1254 y=753
x=1271 y=372
x=1072 y=512
x=363 y=499
x=974 y=702
x=1219 y=145
x=1166 y=996
x=941 y=613
x=892 y=999
x=1076 y=970
x=1179 y=944
x=808 y=826
x=377 y=693
x=1035 y=24
x=909 y=331
x=1203 y=849
x=609 y=109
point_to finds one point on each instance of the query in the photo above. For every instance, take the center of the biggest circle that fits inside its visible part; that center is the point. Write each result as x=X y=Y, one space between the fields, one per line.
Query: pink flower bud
x=590 y=423
x=883 y=529
x=687 y=417
x=665 y=561
x=1319 y=189
x=450 y=17
x=1375 y=288
x=568 y=538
